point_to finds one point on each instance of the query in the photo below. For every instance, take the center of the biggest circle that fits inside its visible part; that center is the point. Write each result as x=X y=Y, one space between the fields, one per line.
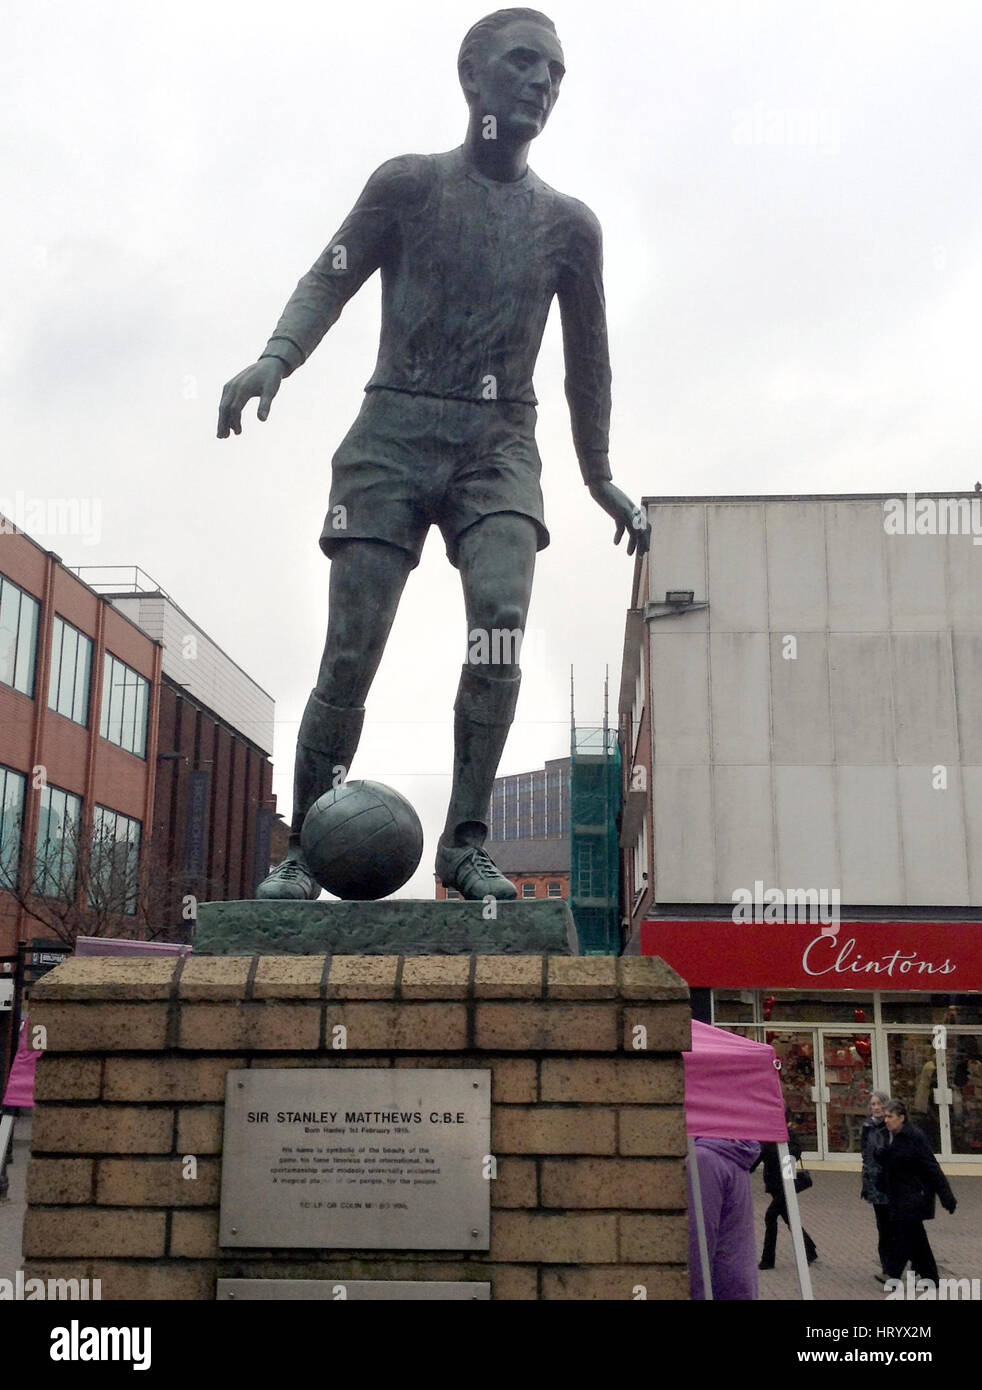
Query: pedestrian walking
x=873 y=1137
x=912 y=1179
x=778 y=1208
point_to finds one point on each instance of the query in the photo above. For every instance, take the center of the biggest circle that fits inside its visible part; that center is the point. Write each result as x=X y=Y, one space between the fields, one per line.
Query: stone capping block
x=648 y=977
x=214 y=977
x=582 y=977
x=107 y=977
x=288 y=977
x=362 y=977
x=436 y=977
x=508 y=977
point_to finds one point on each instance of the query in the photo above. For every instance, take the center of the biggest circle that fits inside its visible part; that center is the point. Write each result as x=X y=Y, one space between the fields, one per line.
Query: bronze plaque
x=357 y=1159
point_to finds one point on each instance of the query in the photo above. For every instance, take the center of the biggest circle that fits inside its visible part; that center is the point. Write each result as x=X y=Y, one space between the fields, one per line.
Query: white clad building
x=807 y=729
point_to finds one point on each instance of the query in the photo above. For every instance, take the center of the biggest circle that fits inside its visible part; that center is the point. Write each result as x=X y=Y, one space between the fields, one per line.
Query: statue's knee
x=508 y=616
x=341 y=677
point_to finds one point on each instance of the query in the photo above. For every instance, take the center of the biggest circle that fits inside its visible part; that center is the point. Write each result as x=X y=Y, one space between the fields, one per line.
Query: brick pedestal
x=587 y=1121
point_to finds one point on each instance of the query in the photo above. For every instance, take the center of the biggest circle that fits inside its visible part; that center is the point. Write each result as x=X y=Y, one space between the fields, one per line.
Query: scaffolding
x=594 y=861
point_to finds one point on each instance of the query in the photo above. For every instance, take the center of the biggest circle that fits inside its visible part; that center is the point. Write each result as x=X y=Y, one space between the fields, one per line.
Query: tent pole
x=700 y=1215
x=794 y=1220
x=7 y=1117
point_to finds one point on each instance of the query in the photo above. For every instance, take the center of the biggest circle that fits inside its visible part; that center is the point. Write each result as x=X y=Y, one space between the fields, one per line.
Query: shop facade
x=841 y=1010
x=800 y=716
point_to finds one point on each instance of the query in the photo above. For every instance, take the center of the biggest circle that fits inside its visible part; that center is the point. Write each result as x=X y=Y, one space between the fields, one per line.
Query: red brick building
x=122 y=726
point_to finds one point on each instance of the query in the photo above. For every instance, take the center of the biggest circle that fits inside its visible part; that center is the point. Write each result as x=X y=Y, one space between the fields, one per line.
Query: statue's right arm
x=353 y=254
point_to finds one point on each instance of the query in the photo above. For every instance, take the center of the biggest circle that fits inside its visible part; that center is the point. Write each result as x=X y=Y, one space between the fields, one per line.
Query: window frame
x=28 y=689
x=112 y=713
x=56 y=677
x=41 y=888
x=99 y=818
x=13 y=871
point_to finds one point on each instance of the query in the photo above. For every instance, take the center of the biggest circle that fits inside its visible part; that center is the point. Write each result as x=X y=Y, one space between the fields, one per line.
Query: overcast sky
x=791 y=205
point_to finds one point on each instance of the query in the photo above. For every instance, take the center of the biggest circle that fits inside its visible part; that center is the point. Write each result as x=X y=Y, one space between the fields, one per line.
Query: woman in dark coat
x=912 y=1179
x=778 y=1209
x=873 y=1138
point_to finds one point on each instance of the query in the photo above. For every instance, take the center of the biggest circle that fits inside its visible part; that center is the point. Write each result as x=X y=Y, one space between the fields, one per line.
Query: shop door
x=796 y=1051
x=844 y=1085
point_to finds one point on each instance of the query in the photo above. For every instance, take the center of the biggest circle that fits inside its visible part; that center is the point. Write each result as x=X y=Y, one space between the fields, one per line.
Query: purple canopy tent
x=733 y=1091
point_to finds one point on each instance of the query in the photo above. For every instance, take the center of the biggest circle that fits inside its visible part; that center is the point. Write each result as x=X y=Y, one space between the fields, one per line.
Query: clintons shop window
x=926 y=1008
x=790 y=1006
x=834 y=1050
x=757 y=1009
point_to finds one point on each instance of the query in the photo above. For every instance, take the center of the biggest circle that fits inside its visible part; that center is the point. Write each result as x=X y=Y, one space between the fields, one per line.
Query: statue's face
x=518 y=82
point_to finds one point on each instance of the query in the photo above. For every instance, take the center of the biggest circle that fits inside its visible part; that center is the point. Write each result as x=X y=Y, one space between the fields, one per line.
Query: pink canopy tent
x=20 y=1082
x=733 y=1091
x=732 y=1088
x=19 y=1091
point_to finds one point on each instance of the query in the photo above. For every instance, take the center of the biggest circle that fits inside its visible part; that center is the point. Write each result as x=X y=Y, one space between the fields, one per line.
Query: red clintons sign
x=940 y=957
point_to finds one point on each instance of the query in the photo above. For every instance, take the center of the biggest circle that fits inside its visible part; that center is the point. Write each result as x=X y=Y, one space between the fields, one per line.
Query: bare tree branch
x=87 y=883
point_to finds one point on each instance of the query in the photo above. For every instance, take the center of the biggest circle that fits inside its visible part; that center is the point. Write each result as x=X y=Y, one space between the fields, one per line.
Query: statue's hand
x=627 y=516
x=262 y=379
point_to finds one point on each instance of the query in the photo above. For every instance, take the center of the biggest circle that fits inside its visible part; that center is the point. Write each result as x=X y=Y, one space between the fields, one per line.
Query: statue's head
x=510 y=66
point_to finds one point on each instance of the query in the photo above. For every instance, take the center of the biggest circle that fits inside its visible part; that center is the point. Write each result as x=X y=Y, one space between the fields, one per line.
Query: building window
x=125 y=704
x=528 y=890
x=557 y=810
x=114 y=877
x=57 y=844
x=12 y=786
x=453 y=895
x=71 y=666
x=554 y=890
x=18 y=637
x=641 y=859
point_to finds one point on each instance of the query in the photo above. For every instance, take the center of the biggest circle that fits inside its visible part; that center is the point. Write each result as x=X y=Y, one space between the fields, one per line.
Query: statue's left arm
x=584 y=320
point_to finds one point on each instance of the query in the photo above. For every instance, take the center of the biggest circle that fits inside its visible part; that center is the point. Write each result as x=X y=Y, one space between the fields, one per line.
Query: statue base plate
x=390 y=927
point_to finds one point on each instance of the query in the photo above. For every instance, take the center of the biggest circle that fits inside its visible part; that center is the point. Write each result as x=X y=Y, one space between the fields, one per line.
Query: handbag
x=802 y=1180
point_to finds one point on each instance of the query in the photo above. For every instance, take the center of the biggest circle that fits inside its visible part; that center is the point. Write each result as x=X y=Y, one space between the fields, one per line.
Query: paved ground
x=839 y=1222
x=843 y=1228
